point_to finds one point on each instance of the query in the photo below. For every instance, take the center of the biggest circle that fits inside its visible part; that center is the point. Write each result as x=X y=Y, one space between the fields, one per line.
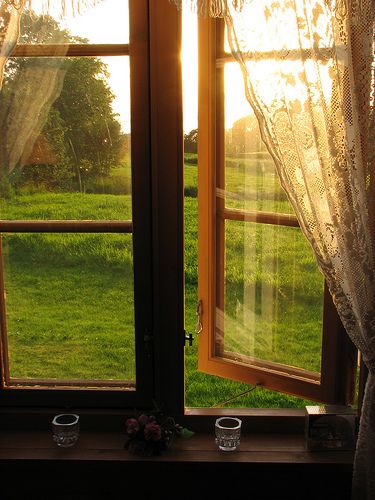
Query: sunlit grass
x=70 y=308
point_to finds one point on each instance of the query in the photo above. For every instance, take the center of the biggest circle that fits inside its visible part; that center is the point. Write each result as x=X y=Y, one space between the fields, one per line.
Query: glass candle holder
x=65 y=429
x=228 y=432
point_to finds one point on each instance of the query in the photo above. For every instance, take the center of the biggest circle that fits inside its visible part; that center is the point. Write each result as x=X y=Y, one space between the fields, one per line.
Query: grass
x=286 y=325
x=70 y=297
x=63 y=296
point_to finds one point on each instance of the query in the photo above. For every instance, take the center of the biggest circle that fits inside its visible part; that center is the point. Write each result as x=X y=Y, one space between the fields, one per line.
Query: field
x=65 y=292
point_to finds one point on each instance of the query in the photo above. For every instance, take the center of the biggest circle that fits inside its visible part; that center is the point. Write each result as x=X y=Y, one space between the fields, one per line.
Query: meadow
x=70 y=301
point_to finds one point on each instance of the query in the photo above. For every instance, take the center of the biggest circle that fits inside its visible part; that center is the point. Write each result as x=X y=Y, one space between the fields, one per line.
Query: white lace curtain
x=22 y=119
x=308 y=67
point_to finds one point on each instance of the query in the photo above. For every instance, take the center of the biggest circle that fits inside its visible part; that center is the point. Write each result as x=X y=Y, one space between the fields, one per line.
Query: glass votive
x=228 y=432
x=65 y=429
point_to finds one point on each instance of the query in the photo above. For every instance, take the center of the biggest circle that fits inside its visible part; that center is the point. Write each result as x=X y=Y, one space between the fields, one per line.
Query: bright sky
x=99 y=25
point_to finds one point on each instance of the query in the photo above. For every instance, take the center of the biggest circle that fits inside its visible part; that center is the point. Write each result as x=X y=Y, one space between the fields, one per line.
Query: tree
x=191 y=141
x=56 y=116
x=244 y=137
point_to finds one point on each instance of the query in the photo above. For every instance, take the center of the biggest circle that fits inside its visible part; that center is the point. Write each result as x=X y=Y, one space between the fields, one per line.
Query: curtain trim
x=63 y=6
x=219 y=8
x=210 y=8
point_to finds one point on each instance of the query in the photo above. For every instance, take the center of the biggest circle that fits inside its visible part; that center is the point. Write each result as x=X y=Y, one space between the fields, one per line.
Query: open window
x=267 y=316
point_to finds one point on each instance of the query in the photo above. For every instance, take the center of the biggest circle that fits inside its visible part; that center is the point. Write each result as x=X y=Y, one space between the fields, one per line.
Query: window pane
x=272 y=299
x=107 y=22
x=65 y=149
x=70 y=307
x=251 y=181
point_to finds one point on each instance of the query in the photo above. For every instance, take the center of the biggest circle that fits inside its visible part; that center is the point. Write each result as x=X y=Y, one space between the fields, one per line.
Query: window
x=148 y=227
x=267 y=317
x=75 y=215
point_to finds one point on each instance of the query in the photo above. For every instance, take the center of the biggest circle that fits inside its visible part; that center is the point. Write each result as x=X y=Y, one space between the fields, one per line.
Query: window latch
x=188 y=338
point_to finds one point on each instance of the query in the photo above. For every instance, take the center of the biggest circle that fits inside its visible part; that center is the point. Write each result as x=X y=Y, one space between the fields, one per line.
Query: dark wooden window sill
x=108 y=446
x=266 y=467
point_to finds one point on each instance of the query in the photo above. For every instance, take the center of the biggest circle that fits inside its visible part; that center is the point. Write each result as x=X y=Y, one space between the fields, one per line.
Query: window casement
x=248 y=317
x=102 y=390
x=156 y=228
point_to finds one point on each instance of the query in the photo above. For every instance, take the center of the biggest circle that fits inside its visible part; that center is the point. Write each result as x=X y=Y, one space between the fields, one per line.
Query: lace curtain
x=24 y=113
x=308 y=67
x=10 y=14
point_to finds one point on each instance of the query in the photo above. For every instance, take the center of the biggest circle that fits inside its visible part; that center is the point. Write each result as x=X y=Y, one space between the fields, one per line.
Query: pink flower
x=152 y=431
x=132 y=426
x=143 y=420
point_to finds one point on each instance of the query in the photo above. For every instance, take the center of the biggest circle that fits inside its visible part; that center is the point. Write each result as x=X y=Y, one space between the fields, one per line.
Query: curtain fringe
x=210 y=8
x=205 y=8
x=219 y=8
x=60 y=7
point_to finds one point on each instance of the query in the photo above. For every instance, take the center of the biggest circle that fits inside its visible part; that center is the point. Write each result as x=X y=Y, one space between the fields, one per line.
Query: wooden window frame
x=20 y=392
x=336 y=383
x=158 y=242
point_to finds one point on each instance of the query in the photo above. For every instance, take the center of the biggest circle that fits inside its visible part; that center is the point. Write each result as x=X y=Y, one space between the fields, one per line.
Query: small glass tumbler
x=65 y=429
x=228 y=432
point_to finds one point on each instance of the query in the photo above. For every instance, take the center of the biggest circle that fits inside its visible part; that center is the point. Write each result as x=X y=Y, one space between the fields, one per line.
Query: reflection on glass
x=251 y=181
x=272 y=298
x=65 y=128
x=70 y=307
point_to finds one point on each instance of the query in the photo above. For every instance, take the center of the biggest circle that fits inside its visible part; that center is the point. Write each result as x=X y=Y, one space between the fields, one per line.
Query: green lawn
x=70 y=300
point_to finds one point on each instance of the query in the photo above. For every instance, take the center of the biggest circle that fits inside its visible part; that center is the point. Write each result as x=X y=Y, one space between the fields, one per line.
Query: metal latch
x=189 y=338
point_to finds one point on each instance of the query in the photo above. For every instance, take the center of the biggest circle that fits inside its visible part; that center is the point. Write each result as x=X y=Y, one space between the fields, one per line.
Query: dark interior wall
x=66 y=480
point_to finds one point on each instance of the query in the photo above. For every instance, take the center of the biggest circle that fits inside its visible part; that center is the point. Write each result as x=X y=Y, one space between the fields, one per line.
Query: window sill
x=108 y=446
x=270 y=466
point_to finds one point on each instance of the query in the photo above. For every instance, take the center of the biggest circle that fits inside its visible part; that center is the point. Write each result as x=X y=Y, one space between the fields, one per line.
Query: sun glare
x=100 y=25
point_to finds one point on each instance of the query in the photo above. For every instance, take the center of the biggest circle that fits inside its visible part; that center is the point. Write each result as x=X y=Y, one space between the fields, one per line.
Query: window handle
x=198 y=325
x=199 y=312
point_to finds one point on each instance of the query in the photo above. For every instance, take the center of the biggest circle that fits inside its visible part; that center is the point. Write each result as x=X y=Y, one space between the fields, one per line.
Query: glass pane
x=65 y=129
x=107 y=22
x=251 y=181
x=70 y=307
x=272 y=300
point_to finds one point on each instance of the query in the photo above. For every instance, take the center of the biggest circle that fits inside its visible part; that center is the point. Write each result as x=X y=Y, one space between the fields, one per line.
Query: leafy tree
x=191 y=141
x=56 y=116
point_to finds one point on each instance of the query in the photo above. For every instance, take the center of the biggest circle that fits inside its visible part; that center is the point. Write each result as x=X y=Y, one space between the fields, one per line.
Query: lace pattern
x=309 y=76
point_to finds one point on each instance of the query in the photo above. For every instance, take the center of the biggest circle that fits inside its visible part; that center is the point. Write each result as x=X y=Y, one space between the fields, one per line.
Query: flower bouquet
x=150 y=435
